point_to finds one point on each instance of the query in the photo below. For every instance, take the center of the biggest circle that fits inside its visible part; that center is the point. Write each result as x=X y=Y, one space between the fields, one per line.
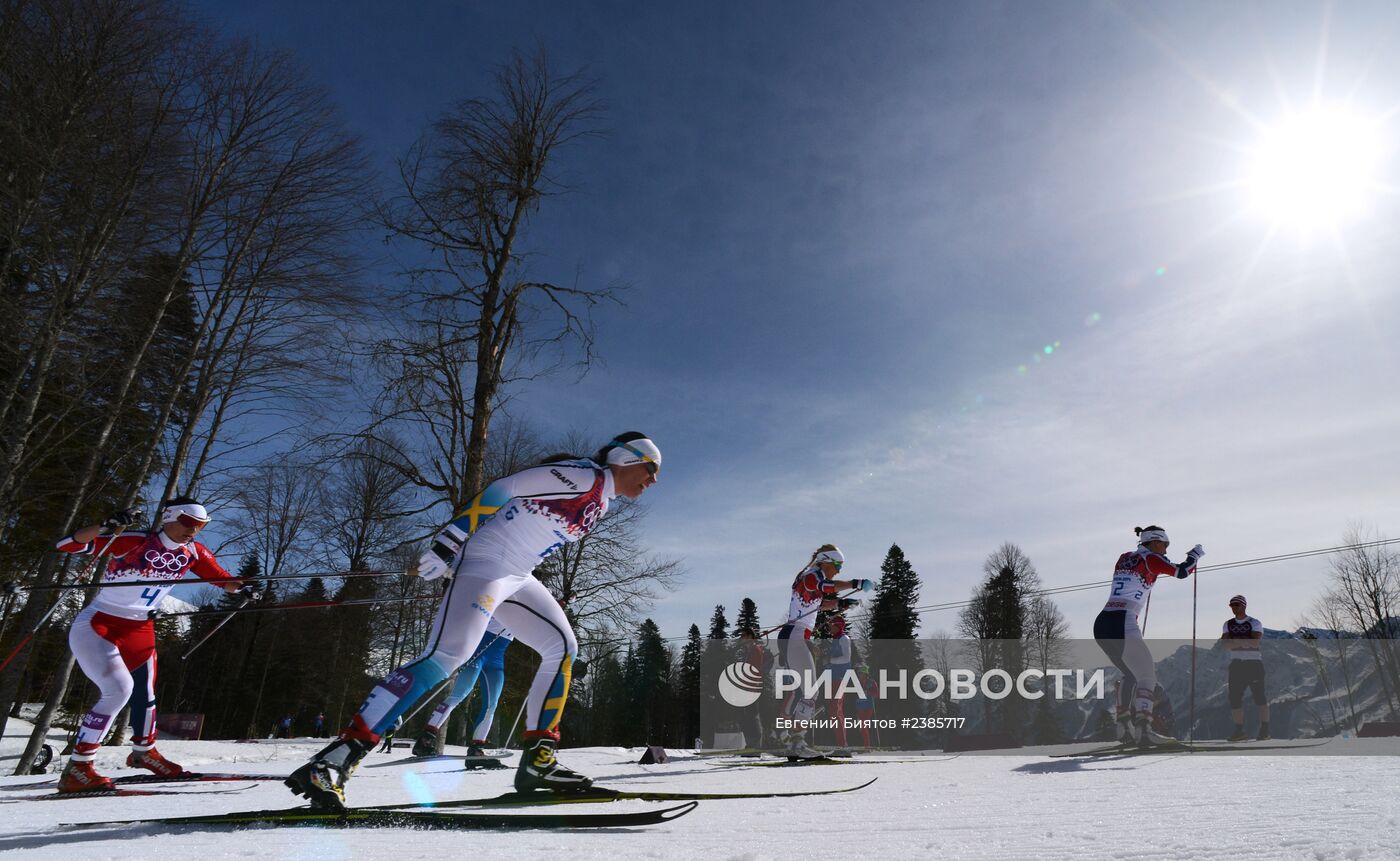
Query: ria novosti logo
x=741 y=684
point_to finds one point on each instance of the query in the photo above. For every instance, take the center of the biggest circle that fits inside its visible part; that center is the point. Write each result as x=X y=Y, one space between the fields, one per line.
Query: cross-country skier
x=1117 y=633
x=756 y=656
x=531 y=514
x=1241 y=635
x=488 y=665
x=114 y=638
x=813 y=590
x=842 y=655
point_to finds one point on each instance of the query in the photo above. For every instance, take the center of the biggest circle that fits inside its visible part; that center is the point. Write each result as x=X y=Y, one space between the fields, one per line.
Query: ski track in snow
x=1145 y=808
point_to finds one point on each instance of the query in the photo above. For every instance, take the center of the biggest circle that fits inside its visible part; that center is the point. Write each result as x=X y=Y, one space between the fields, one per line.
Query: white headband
x=1153 y=535
x=634 y=451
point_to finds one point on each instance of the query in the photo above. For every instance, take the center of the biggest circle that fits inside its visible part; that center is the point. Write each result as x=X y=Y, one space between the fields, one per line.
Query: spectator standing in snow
x=1241 y=635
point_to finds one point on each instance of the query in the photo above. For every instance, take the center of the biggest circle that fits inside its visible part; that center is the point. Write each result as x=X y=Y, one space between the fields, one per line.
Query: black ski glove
x=119 y=520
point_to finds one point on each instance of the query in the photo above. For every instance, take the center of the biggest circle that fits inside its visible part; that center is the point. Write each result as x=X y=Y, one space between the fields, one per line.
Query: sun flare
x=1316 y=169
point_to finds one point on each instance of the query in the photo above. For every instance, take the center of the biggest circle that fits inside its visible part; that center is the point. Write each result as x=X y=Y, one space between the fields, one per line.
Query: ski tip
x=676 y=812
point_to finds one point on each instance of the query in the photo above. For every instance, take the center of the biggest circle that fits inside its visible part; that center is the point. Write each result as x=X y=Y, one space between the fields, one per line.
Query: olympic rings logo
x=168 y=561
x=590 y=515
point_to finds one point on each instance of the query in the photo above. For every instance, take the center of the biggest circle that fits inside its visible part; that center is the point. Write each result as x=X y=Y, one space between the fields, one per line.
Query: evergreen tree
x=891 y=628
x=1004 y=617
x=892 y=616
x=688 y=687
x=719 y=625
x=747 y=620
x=718 y=655
x=651 y=684
x=611 y=718
x=1005 y=610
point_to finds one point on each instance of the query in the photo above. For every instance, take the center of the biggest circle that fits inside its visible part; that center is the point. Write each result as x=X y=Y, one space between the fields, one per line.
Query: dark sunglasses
x=191 y=522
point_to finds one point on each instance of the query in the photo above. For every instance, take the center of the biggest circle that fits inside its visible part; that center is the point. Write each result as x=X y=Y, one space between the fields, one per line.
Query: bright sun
x=1316 y=169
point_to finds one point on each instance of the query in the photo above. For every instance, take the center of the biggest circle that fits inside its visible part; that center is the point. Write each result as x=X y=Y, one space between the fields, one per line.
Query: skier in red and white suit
x=1117 y=633
x=814 y=590
x=113 y=638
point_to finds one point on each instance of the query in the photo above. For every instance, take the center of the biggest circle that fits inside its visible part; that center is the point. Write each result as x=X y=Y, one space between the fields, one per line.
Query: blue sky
x=852 y=233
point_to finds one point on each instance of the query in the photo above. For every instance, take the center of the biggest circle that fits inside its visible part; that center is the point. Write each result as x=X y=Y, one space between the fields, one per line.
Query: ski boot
x=82 y=777
x=540 y=770
x=425 y=744
x=797 y=748
x=1238 y=734
x=151 y=760
x=322 y=780
x=1147 y=738
x=477 y=759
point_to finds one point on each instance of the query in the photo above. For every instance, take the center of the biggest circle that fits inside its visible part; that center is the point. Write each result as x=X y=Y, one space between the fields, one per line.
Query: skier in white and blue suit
x=513 y=525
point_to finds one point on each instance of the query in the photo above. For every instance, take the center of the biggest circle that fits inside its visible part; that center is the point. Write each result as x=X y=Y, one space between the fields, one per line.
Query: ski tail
x=126 y=793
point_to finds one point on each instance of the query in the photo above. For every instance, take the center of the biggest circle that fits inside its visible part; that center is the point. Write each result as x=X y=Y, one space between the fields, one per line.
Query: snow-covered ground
x=1252 y=806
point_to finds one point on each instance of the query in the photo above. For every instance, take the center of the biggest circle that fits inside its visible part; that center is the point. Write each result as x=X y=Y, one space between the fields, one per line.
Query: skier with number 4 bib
x=489 y=552
x=1117 y=633
x=114 y=638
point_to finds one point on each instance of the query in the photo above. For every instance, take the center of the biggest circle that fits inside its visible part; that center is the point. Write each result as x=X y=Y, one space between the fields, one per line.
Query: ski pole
x=816 y=609
x=114 y=585
x=96 y=565
x=429 y=698
x=308 y=605
x=1191 y=724
x=214 y=630
x=518 y=715
x=1146 y=608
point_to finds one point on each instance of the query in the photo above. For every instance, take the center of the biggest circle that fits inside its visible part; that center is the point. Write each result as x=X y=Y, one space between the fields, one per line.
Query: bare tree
x=1364 y=592
x=276 y=505
x=86 y=130
x=401 y=624
x=1325 y=615
x=86 y=127
x=363 y=505
x=469 y=189
x=1009 y=625
x=360 y=512
x=265 y=243
x=983 y=618
x=1045 y=634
